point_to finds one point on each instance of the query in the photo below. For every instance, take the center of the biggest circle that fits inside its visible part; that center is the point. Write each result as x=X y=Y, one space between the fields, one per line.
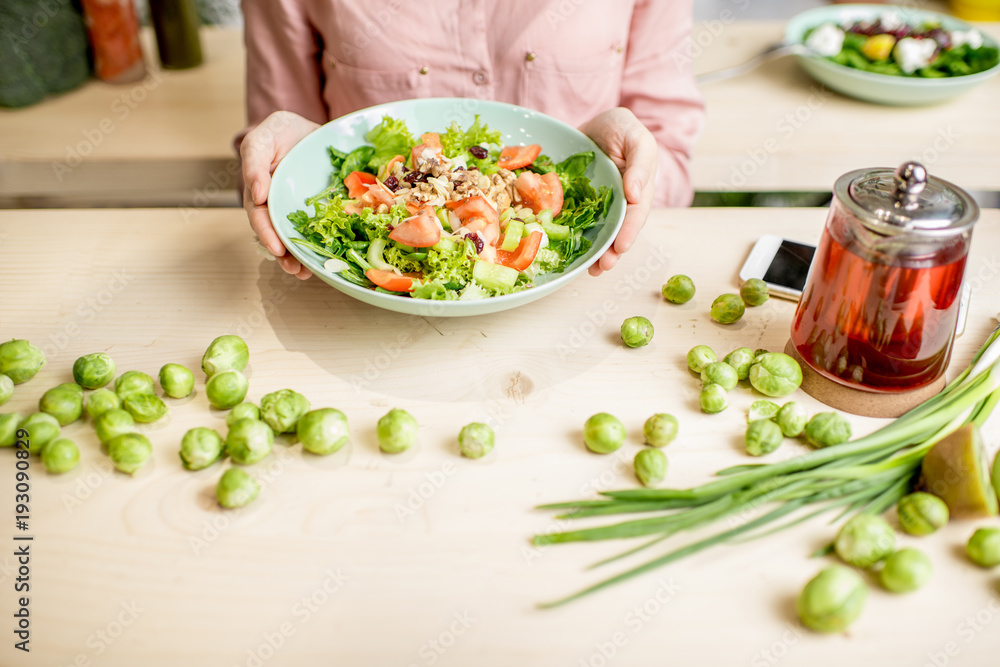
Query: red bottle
x=880 y=305
x=114 y=36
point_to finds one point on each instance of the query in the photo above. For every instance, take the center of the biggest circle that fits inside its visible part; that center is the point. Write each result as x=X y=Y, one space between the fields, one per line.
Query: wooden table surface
x=423 y=558
x=168 y=140
x=776 y=129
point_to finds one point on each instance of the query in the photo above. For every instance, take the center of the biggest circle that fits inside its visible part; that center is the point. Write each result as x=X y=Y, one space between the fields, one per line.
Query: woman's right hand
x=261 y=151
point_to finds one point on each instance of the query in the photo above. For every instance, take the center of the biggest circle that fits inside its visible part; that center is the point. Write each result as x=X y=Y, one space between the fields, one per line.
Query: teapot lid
x=906 y=200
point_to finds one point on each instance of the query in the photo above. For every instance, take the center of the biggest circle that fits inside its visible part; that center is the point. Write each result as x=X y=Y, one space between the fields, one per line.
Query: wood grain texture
x=423 y=558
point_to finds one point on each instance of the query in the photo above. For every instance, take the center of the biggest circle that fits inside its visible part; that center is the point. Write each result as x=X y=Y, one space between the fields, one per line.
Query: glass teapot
x=880 y=305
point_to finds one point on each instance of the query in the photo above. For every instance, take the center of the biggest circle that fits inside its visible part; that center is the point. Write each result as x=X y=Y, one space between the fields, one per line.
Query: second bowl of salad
x=893 y=55
x=446 y=207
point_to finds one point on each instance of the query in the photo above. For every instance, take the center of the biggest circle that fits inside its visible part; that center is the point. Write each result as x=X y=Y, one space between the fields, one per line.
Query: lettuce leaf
x=390 y=138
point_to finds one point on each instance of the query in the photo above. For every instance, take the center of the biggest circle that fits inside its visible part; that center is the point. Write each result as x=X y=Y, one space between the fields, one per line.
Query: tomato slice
x=540 y=191
x=420 y=231
x=430 y=140
x=521 y=258
x=377 y=194
x=489 y=231
x=515 y=157
x=391 y=281
x=357 y=183
x=474 y=207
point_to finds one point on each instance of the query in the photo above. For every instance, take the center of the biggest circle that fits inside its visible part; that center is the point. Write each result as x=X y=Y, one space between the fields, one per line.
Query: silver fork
x=773 y=52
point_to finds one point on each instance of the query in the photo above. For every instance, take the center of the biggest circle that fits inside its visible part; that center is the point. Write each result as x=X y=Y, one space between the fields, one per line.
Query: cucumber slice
x=494 y=276
x=554 y=231
x=512 y=237
x=375 y=256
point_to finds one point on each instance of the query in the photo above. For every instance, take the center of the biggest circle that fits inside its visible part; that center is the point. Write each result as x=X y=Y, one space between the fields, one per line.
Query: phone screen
x=790 y=265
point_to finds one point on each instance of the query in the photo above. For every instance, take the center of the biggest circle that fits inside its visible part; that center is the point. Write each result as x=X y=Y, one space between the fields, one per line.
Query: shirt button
x=480 y=78
x=424 y=70
x=529 y=56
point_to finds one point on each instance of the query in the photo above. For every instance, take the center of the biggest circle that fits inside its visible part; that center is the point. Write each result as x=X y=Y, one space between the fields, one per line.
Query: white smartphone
x=781 y=263
x=784 y=265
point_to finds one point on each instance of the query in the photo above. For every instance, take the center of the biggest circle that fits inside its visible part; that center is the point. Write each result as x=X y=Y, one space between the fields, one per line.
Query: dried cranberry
x=479 y=152
x=392 y=183
x=477 y=241
x=415 y=177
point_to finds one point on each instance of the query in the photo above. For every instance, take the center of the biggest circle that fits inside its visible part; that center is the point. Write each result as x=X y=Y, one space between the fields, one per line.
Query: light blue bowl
x=881 y=88
x=306 y=170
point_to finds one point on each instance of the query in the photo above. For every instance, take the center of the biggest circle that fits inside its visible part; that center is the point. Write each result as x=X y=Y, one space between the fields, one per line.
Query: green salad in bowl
x=464 y=217
x=893 y=55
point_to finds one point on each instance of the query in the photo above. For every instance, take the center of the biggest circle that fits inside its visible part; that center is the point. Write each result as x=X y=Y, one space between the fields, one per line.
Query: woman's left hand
x=634 y=151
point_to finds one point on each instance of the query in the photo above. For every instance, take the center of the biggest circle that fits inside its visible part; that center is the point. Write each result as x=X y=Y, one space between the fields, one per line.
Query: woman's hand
x=633 y=150
x=261 y=151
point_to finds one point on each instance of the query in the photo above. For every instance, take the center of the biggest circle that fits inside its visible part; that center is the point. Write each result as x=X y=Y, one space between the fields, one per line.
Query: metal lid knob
x=910 y=180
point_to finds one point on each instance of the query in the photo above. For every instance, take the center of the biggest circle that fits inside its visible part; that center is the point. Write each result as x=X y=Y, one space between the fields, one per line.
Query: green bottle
x=176 y=25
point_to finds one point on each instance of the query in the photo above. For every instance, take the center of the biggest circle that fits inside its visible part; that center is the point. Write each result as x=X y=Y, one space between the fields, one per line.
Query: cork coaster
x=857 y=401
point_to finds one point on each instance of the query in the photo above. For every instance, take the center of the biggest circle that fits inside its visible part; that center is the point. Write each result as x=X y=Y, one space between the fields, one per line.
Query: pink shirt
x=571 y=59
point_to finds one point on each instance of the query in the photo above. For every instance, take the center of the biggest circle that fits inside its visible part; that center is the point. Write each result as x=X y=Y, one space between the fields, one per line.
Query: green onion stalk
x=866 y=475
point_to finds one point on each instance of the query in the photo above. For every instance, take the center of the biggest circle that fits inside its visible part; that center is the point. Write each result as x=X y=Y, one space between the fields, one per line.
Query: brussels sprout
x=741 y=359
x=865 y=540
x=826 y=429
x=921 y=513
x=20 y=360
x=129 y=451
x=282 y=409
x=6 y=388
x=396 y=431
x=712 y=398
x=475 y=440
x=134 y=382
x=145 y=408
x=660 y=430
x=64 y=402
x=984 y=547
x=678 y=289
x=92 y=371
x=177 y=381
x=323 y=431
x=61 y=455
x=603 y=433
x=792 y=418
x=225 y=353
x=201 y=447
x=720 y=373
x=227 y=388
x=832 y=600
x=761 y=409
x=754 y=292
x=775 y=374
x=102 y=400
x=650 y=466
x=636 y=331
x=758 y=353
x=42 y=429
x=249 y=441
x=905 y=571
x=236 y=489
x=113 y=423
x=700 y=356
x=9 y=423
x=762 y=437
x=244 y=410
x=727 y=308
